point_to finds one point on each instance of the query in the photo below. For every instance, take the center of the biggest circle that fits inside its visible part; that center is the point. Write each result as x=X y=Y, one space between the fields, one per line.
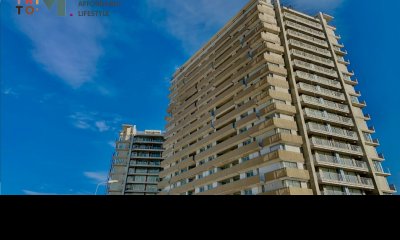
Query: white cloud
x=97 y=177
x=99 y=122
x=313 y=6
x=28 y=192
x=10 y=92
x=102 y=126
x=193 y=22
x=66 y=47
x=112 y=144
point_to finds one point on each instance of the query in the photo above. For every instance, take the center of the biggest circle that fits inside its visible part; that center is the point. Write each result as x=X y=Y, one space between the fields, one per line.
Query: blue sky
x=68 y=83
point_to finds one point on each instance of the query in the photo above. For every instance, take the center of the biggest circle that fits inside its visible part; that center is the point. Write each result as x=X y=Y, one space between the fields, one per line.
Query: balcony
x=322 y=91
x=324 y=103
x=308 y=38
x=318 y=79
x=367 y=117
x=302 y=20
x=308 y=66
x=354 y=181
x=339 y=51
x=312 y=57
x=373 y=142
x=347 y=163
x=337 y=146
x=329 y=117
x=283 y=138
x=350 y=81
x=293 y=191
x=356 y=103
x=343 y=61
x=331 y=193
x=379 y=171
x=310 y=47
x=305 y=29
x=333 y=131
x=275 y=48
x=293 y=173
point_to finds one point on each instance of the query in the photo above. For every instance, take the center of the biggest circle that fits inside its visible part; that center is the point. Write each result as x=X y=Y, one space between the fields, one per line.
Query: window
x=201 y=189
x=277 y=147
x=152 y=179
x=367 y=137
x=210 y=186
x=243 y=130
x=292 y=183
x=248 y=192
x=211 y=172
x=245 y=159
x=249 y=174
x=247 y=142
x=290 y=165
x=378 y=166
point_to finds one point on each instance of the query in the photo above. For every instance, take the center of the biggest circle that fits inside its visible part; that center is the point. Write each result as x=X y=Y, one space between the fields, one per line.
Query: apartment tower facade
x=136 y=162
x=268 y=106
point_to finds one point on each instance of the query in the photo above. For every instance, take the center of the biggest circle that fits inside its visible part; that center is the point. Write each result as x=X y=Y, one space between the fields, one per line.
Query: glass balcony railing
x=362 y=181
x=321 y=90
x=331 y=192
x=318 y=79
x=305 y=29
x=324 y=103
x=310 y=47
x=316 y=68
x=303 y=20
x=312 y=57
x=344 y=161
x=328 y=116
x=332 y=130
x=308 y=38
x=316 y=141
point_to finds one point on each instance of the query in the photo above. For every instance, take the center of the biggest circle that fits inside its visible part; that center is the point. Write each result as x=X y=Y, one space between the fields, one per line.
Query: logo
x=32 y=6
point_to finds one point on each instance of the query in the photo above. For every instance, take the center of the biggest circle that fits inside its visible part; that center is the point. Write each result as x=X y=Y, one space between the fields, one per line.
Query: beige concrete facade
x=136 y=163
x=268 y=106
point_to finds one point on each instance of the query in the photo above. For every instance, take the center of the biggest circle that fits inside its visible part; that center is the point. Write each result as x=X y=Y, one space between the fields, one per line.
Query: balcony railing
x=318 y=79
x=307 y=37
x=316 y=68
x=322 y=91
x=335 y=144
x=325 y=103
x=349 y=162
x=362 y=181
x=328 y=116
x=305 y=29
x=312 y=57
x=339 y=50
x=332 y=130
x=331 y=192
x=310 y=47
x=303 y=20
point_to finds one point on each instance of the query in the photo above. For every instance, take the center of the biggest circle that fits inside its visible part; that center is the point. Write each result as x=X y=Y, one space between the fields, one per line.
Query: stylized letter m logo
x=61 y=6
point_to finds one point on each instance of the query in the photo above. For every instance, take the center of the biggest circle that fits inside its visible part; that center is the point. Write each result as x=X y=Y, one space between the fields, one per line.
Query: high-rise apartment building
x=268 y=106
x=136 y=162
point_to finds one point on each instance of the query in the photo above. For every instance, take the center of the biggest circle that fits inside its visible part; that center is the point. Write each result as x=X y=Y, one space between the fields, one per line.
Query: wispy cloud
x=314 y=6
x=97 y=177
x=193 y=22
x=10 y=92
x=111 y=144
x=66 y=47
x=99 y=122
x=29 y=192
x=102 y=126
